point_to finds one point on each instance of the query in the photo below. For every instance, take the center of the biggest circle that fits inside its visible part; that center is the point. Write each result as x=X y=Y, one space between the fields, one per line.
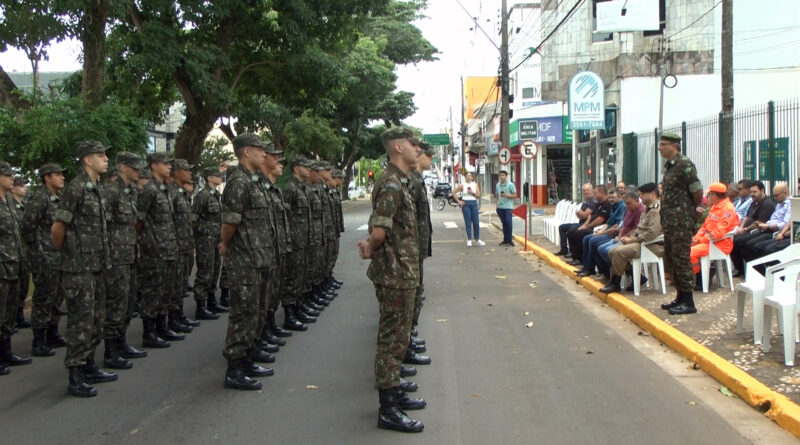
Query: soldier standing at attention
x=207 y=210
x=80 y=233
x=184 y=224
x=295 y=270
x=19 y=193
x=155 y=224
x=394 y=271
x=10 y=266
x=683 y=192
x=338 y=179
x=316 y=247
x=121 y=278
x=45 y=259
x=334 y=232
x=250 y=254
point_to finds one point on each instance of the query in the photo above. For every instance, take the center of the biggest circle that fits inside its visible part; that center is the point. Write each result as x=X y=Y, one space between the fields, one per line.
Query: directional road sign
x=504 y=155
x=528 y=150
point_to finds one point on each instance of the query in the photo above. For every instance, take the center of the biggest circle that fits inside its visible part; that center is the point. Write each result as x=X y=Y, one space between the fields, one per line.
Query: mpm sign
x=586 y=102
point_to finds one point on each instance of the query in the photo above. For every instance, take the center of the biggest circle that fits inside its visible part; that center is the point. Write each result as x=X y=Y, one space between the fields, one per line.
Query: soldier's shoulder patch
x=393 y=186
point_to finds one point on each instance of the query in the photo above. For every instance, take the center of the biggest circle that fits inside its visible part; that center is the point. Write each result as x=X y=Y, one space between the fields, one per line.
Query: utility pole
x=726 y=144
x=504 y=76
x=463 y=131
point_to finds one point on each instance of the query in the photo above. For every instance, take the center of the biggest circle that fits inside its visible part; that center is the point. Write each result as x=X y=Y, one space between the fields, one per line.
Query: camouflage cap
x=397 y=133
x=50 y=167
x=314 y=165
x=270 y=148
x=337 y=173
x=298 y=160
x=416 y=141
x=212 y=171
x=426 y=148
x=671 y=137
x=6 y=169
x=132 y=160
x=157 y=157
x=181 y=164
x=325 y=165
x=145 y=173
x=89 y=147
x=248 y=140
x=20 y=180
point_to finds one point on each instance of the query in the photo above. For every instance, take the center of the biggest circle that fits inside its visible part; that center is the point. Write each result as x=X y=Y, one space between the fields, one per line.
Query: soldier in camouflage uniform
x=17 y=305
x=207 y=210
x=316 y=245
x=683 y=192
x=338 y=179
x=144 y=178
x=80 y=233
x=159 y=254
x=121 y=198
x=322 y=293
x=332 y=230
x=250 y=254
x=10 y=266
x=45 y=259
x=394 y=271
x=294 y=269
x=184 y=224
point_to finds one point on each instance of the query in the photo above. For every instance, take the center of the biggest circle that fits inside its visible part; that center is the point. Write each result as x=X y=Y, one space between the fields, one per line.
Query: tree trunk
x=350 y=159
x=35 y=69
x=8 y=96
x=93 y=36
x=192 y=135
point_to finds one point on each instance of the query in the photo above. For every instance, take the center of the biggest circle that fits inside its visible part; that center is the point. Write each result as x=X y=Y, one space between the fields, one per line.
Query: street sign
x=504 y=155
x=437 y=139
x=528 y=129
x=587 y=102
x=528 y=150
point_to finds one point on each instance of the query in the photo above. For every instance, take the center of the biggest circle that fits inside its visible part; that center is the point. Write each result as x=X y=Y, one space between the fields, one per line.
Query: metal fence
x=766 y=145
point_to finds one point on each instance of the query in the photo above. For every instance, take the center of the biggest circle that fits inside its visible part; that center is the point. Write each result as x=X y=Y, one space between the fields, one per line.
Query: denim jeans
x=470 y=211
x=590 y=245
x=602 y=260
x=506 y=220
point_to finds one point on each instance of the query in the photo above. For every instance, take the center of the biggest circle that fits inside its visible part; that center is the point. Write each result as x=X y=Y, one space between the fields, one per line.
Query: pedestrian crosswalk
x=447 y=225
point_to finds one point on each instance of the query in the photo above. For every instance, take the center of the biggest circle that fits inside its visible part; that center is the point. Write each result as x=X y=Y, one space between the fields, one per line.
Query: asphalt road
x=568 y=379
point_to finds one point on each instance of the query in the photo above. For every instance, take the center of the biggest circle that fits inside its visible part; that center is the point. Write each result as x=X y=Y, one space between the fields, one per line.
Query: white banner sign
x=587 y=102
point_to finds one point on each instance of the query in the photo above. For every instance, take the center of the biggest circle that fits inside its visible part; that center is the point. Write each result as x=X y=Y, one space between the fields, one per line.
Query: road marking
x=364 y=227
x=450 y=225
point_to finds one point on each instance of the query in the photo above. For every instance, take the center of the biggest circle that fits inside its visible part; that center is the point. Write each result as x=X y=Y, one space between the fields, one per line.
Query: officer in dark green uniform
x=394 y=271
x=80 y=233
x=249 y=253
x=184 y=224
x=683 y=192
x=45 y=260
x=207 y=209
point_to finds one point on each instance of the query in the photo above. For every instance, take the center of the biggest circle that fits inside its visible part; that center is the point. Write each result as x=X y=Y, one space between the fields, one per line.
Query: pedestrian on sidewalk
x=470 y=194
x=506 y=194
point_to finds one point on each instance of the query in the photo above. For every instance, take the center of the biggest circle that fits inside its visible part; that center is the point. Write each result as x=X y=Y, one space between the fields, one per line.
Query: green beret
x=50 y=167
x=157 y=157
x=89 y=147
x=6 y=169
x=20 y=180
x=671 y=137
x=132 y=160
x=397 y=133
x=181 y=164
x=212 y=171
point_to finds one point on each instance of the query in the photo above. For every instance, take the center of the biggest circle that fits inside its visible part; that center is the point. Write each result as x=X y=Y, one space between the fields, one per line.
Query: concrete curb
x=776 y=406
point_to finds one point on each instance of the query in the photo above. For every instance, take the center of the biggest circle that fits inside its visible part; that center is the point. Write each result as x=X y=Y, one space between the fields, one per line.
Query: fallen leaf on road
x=526 y=313
x=475 y=395
x=643 y=334
x=724 y=390
x=589 y=352
x=488 y=304
x=693 y=367
x=491 y=250
x=532 y=285
x=312 y=387
x=441 y=320
x=691 y=403
x=500 y=277
x=529 y=324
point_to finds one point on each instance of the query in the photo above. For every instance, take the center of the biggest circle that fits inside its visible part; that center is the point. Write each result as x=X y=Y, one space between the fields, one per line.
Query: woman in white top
x=470 y=194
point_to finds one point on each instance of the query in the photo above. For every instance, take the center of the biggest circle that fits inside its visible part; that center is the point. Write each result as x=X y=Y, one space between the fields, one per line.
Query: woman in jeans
x=470 y=194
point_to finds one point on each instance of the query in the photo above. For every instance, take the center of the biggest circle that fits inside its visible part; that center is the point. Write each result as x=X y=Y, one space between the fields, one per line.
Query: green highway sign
x=437 y=139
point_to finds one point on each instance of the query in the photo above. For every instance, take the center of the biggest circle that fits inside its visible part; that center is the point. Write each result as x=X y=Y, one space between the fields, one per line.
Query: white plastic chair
x=719 y=258
x=753 y=286
x=782 y=295
x=551 y=224
x=566 y=217
x=651 y=260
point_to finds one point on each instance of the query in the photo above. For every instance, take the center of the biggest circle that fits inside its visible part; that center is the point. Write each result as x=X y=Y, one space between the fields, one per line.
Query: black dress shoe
x=610 y=287
x=560 y=253
x=407 y=371
x=409 y=386
x=412 y=358
x=567 y=255
x=258 y=355
x=77 y=383
x=585 y=273
x=406 y=402
x=683 y=309
x=253 y=370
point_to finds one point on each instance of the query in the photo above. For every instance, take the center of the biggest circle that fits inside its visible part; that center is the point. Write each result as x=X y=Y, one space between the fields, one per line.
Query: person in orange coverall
x=722 y=218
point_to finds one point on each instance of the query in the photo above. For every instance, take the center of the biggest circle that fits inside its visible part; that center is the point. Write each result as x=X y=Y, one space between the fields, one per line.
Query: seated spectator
x=781 y=241
x=621 y=189
x=742 y=200
x=575 y=236
x=761 y=211
x=648 y=229
x=583 y=214
x=593 y=241
x=721 y=219
x=633 y=213
x=781 y=217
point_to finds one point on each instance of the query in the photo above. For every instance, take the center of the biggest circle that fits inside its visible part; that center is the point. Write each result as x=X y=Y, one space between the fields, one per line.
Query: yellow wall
x=476 y=90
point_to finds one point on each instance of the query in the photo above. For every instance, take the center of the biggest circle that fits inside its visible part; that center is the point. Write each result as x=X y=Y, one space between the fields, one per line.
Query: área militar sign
x=587 y=102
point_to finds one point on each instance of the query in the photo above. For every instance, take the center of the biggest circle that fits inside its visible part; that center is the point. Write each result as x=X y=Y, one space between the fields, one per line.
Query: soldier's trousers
x=293 y=276
x=179 y=281
x=331 y=255
x=209 y=264
x=6 y=286
x=188 y=265
x=12 y=306
x=158 y=282
x=677 y=245
x=24 y=287
x=86 y=304
x=318 y=264
x=249 y=295
x=120 y=299
x=276 y=284
x=224 y=280
x=418 y=297
x=394 y=331
x=47 y=298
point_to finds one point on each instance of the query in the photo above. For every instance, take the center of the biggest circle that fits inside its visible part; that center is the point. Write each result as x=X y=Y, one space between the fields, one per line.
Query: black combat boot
x=406 y=402
x=150 y=338
x=94 y=374
x=312 y=303
x=176 y=324
x=418 y=340
x=235 y=377
x=112 y=358
x=268 y=333
x=52 y=338
x=213 y=306
x=4 y=369
x=188 y=321
x=407 y=371
x=412 y=358
x=253 y=370
x=201 y=313
x=8 y=358
x=613 y=285
x=392 y=417
x=686 y=306
x=277 y=331
x=163 y=330
x=319 y=301
x=40 y=348
x=339 y=282
x=225 y=297
x=310 y=311
x=259 y=355
x=264 y=343
x=674 y=303
x=416 y=347
x=290 y=320
x=128 y=351
x=408 y=385
x=77 y=383
x=21 y=321
x=302 y=317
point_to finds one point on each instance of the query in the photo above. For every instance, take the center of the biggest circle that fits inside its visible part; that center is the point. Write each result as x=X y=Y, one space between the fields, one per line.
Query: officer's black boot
x=318 y=300
x=21 y=321
x=334 y=283
x=392 y=417
x=112 y=357
x=235 y=377
x=277 y=331
x=150 y=338
x=339 y=282
x=225 y=297
x=163 y=330
x=8 y=358
x=290 y=320
x=259 y=355
x=176 y=324
x=186 y=320
x=416 y=347
x=686 y=306
x=312 y=308
x=128 y=351
x=412 y=358
x=213 y=306
x=77 y=383
x=52 y=338
x=418 y=340
x=94 y=374
x=40 y=349
x=613 y=285
x=201 y=313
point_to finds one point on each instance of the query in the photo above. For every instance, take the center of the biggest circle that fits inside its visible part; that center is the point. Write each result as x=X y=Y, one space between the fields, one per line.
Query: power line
x=477 y=25
x=563 y=20
x=696 y=20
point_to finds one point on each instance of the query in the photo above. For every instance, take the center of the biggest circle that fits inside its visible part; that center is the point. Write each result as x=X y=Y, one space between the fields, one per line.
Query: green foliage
x=214 y=153
x=313 y=135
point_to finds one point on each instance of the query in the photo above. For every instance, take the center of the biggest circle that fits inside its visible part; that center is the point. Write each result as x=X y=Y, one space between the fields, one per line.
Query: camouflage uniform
x=316 y=245
x=424 y=230
x=331 y=227
x=394 y=272
x=121 y=278
x=250 y=258
x=282 y=242
x=10 y=257
x=207 y=209
x=183 y=224
x=84 y=261
x=678 y=218
x=294 y=270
